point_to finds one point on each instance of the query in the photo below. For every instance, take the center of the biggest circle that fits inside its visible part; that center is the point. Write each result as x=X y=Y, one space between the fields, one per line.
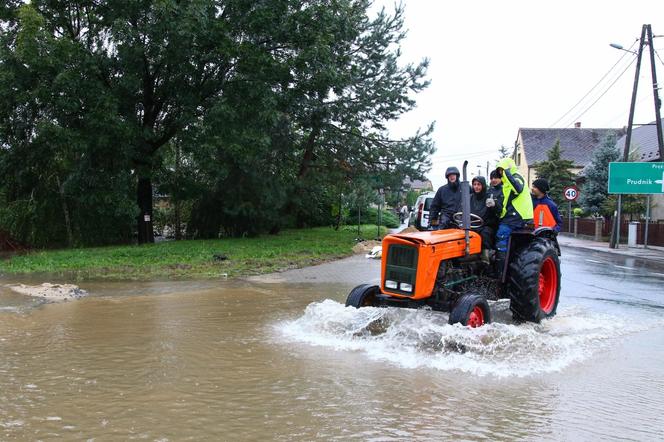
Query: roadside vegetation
x=120 y=121
x=229 y=257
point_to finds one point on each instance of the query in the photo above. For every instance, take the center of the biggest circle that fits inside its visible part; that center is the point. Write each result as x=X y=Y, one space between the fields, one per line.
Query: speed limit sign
x=571 y=193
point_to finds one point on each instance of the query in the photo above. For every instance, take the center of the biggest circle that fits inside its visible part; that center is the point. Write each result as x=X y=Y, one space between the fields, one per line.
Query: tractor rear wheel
x=534 y=281
x=362 y=296
x=471 y=310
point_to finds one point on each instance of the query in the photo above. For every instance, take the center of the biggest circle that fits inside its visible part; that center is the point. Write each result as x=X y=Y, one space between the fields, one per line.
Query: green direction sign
x=636 y=178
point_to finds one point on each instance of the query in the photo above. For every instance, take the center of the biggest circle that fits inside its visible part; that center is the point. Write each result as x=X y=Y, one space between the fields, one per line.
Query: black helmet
x=452 y=170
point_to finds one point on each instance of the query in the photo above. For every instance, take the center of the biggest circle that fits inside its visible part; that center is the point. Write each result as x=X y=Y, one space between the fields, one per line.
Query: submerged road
x=281 y=358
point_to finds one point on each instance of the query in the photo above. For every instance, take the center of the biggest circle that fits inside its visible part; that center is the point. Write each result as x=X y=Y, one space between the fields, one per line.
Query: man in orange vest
x=545 y=211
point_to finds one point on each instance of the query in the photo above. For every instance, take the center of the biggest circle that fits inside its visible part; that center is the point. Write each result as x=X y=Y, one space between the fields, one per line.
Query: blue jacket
x=552 y=208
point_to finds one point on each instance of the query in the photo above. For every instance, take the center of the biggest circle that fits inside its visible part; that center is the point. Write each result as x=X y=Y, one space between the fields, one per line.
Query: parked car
x=419 y=217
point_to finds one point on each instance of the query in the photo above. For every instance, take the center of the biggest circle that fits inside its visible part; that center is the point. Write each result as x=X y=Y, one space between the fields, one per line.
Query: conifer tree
x=595 y=189
x=556 y=171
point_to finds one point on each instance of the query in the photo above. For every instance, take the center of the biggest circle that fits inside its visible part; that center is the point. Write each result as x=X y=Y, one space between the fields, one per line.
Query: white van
x=419 y=217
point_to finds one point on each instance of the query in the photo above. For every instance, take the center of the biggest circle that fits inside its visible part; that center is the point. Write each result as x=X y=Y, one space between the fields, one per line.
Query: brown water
x=189 y=361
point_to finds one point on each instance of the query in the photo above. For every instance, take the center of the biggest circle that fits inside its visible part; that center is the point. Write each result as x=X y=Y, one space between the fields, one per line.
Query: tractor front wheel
x=534 y=281
x=471 y=310
x=362 y=296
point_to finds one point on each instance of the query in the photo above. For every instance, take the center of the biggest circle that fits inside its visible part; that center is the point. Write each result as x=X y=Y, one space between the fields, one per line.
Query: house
x=645 y=148
x=417 y=185
x=576 y=145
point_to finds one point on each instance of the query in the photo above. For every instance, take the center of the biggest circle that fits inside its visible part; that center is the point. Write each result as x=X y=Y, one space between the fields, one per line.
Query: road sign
x=633 y=178
x=571 y=193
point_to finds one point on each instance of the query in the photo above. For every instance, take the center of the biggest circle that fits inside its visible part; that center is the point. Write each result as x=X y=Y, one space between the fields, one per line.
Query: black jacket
x=447 y=201
x=478 y=205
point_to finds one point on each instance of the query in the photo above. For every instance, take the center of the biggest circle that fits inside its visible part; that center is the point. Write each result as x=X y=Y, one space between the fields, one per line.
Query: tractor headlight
x=406 y=287
x=391 y=284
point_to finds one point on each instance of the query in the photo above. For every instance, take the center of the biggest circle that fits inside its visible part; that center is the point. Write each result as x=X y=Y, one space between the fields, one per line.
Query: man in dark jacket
x=545 y=210
x=495 y=193
x=447 y=201
x=478 y=206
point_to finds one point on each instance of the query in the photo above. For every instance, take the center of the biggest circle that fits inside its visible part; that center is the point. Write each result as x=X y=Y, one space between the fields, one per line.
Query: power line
x=660 y=58
x=603 y=93
x=596 y=84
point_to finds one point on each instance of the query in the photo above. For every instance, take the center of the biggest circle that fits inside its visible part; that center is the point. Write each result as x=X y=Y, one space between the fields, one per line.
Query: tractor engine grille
x=401 y=269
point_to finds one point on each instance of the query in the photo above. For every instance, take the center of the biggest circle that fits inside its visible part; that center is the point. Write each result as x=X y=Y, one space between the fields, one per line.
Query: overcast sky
x=497 y=66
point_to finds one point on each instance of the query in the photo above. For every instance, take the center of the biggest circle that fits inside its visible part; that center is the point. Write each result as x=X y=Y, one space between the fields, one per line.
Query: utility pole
x=615 y=232
x=655 y=94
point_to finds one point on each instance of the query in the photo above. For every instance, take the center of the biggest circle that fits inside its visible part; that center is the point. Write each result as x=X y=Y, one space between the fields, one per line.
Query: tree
x=347 y=83
x=556 y=171
x=251 y=112
x=595 y=189
x=504 y=152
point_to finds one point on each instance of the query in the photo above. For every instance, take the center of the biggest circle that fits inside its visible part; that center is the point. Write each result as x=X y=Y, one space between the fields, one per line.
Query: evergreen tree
x=557 y=172
x=595 y=189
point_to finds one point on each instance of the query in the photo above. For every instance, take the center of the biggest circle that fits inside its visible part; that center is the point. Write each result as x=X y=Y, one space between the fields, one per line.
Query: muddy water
x=241 y=361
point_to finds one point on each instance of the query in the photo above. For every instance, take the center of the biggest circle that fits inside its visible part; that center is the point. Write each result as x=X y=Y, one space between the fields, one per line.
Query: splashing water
x=423 y=338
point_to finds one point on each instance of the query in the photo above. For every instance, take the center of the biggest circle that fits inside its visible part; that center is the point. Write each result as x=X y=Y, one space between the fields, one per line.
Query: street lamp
x=619 y=47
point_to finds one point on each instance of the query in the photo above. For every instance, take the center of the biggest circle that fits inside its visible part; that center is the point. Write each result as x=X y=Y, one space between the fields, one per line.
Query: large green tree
x=243 y=109
x=557 y=171
x=346 y=83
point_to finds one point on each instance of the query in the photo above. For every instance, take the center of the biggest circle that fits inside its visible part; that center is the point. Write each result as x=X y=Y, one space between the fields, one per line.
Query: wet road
x=286 y=361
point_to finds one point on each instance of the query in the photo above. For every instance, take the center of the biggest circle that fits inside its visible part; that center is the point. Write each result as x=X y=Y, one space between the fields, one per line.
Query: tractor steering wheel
x=476 y=221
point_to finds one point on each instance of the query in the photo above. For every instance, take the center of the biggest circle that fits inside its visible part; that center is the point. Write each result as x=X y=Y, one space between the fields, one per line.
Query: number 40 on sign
x=571 y=193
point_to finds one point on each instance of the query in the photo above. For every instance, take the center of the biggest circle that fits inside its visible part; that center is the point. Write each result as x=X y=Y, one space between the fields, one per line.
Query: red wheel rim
x=476 y=317
x=548 y=285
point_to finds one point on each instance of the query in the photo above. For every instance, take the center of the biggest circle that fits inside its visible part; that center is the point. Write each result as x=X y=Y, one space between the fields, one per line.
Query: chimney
x=577 y=125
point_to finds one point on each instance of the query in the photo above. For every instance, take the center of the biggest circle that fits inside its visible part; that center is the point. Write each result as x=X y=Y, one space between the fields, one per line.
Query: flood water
x=249 y=361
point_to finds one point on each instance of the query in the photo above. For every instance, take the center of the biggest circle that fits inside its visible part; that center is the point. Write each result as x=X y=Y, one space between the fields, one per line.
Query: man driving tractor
x=447 y=201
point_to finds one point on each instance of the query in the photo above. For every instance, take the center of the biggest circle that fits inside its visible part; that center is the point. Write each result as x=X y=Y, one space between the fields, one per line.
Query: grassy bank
x=201 y=258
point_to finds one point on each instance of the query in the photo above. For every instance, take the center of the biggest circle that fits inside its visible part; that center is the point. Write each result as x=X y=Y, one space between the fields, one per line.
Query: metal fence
x=587 y=226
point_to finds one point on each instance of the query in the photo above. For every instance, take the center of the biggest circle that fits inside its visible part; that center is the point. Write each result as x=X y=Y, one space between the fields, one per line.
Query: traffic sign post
x=636 y=178
x=571 y=193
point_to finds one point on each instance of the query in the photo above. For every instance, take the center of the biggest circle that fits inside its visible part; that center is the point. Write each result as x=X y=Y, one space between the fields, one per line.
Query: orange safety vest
x=543 y=217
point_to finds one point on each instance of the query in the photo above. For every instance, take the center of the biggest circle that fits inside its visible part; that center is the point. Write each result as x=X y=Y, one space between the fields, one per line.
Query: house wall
x=657 y=207
x=520 y=158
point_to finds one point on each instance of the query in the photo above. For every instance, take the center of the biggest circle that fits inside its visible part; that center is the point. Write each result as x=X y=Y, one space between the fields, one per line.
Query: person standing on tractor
x=545 y=210
x=479 y=207
x=517 y=208
x=495 y=194
x=447 y=201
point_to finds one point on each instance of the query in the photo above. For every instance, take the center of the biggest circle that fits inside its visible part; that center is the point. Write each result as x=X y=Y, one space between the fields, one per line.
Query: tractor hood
x=432 y=237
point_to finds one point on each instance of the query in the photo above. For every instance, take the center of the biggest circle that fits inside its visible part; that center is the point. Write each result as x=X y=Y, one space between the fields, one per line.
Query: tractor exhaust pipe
x=465 y=206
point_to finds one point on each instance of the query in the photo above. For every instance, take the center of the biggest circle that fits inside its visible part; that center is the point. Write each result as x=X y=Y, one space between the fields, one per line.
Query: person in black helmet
x=447 y=201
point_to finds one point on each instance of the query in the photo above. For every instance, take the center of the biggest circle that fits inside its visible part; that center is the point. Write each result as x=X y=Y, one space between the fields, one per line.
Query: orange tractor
x=443 y=270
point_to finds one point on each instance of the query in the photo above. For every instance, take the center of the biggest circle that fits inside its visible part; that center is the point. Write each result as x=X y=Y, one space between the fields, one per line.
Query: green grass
x=194 y=259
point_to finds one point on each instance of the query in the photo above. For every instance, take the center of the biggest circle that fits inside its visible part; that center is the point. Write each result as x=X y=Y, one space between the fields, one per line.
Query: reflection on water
x=289 y=362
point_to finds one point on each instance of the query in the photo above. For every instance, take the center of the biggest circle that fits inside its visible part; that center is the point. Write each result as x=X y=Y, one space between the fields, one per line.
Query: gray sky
x=500 y=65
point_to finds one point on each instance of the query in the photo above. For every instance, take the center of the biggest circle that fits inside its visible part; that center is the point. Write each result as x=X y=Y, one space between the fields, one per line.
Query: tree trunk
x=144 y=199
x=305 y=165
x=339 y=211
x=308 y=156
x=65 y=210
x=176 y=200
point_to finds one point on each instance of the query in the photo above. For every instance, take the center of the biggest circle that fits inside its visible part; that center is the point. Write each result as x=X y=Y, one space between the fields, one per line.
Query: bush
x=388 y=218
